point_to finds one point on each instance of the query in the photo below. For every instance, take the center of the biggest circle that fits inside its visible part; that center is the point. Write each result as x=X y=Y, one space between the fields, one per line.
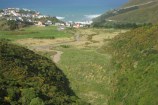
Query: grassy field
x=50 y=32
x=88 y=73
x=87 y=70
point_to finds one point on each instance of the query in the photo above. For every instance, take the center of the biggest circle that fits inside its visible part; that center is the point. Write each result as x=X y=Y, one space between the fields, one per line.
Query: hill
x=136 y=2
x=135 y=59
x=27 y=78
x=135 y=11
x=16 y=18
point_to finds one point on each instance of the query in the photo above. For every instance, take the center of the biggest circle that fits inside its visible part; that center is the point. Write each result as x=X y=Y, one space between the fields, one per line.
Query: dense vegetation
x=135 y=63
x=27 y=78
x=135 y=11
x=119 y=25
x=52 y=19
x=12 y=24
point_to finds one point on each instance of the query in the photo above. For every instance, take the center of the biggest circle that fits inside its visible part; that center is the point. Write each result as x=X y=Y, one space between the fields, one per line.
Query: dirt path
x=57 y=56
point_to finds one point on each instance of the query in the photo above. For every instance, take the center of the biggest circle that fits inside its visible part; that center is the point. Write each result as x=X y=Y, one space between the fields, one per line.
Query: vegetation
x=10 y=25
x=1 y=10
x=146 y=14
x=119 y=25
x=87 y=72
x=49 y=32
x=135 y=67
x=27 y=78
x=136 y=2
x=52 y=19
x=135 y=11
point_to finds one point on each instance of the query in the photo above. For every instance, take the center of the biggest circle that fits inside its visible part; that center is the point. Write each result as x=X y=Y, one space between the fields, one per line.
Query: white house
x=40 y=24
x=48 y=22
x=59 y=24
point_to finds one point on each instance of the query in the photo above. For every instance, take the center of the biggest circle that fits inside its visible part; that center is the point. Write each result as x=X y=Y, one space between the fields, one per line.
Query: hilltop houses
x=26 y=15
x=34 y=17
x=81 y=24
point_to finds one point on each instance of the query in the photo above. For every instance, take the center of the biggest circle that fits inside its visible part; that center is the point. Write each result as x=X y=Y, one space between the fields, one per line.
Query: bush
x=135 y=64
x=28 y=78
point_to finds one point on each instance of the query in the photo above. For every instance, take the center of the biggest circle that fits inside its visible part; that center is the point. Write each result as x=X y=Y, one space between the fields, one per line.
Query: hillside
x=136 y=2
x=135 y=11
x=27 y=78
x=135 y=59
x=16 y=18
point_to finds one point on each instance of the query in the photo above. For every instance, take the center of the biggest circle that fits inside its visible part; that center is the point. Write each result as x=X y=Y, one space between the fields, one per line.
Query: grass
x=50 y=32
x=135 y=56
x=88 y=75
x=86 y=69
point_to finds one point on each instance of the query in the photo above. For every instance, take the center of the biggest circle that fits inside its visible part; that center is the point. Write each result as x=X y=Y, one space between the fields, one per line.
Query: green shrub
x=28 y=78
x=135 y=64
x=65 y=46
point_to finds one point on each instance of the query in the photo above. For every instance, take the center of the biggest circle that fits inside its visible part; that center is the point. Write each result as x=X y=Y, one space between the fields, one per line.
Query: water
x=69 y=10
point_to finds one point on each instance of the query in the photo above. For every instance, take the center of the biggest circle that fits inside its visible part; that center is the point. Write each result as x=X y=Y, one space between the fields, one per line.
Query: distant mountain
x=135 y=11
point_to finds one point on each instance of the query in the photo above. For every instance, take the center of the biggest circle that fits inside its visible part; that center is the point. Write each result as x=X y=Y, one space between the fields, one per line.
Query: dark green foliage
x=135 y=59
x=52 y=37
x=52 y=19
x=119 y=25
x=27 y=78
x=36 y=101
x=13 y=25
x=65 y=46
x=1 y=10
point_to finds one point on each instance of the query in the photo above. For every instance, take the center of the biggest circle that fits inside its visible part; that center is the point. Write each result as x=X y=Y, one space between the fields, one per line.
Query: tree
x=27 y=95
x=36 y=101
x=13 y=25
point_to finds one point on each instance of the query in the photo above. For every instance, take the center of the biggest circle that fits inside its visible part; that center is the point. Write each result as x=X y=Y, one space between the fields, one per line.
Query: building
x=40 y=24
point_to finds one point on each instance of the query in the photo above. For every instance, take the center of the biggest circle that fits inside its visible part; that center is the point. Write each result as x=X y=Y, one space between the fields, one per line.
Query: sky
x=68 y=9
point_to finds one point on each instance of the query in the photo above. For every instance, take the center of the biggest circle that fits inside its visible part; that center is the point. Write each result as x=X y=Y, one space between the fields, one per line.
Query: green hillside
x=135 y=11
x=135 y=2
x=146 y=14
x=27 y=78
x=135 y=64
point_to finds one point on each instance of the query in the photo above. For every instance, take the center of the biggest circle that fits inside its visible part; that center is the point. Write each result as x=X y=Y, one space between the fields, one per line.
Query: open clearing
x=87 y=70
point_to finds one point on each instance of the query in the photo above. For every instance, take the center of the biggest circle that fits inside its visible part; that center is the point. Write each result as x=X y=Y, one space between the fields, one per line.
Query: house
x=40 y=24
x=60 y=28
x=68 y=24
x=20 y=18
x=59 y=24
x=1 y=14
x=77 y=25
x=48 y=23
x=29 y=20
x=12 y=18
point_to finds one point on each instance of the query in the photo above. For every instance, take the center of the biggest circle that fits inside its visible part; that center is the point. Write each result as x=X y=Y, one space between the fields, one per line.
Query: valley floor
x=79 y=57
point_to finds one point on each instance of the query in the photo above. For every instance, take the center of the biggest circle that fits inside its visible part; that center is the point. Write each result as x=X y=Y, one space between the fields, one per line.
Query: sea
x=67 y=10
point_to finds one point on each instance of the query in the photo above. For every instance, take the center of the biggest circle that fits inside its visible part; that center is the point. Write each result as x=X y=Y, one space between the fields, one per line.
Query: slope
x=135 y=11
x=144 y=14
x=135 y=59
x=136 y=2
x=27 y=78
